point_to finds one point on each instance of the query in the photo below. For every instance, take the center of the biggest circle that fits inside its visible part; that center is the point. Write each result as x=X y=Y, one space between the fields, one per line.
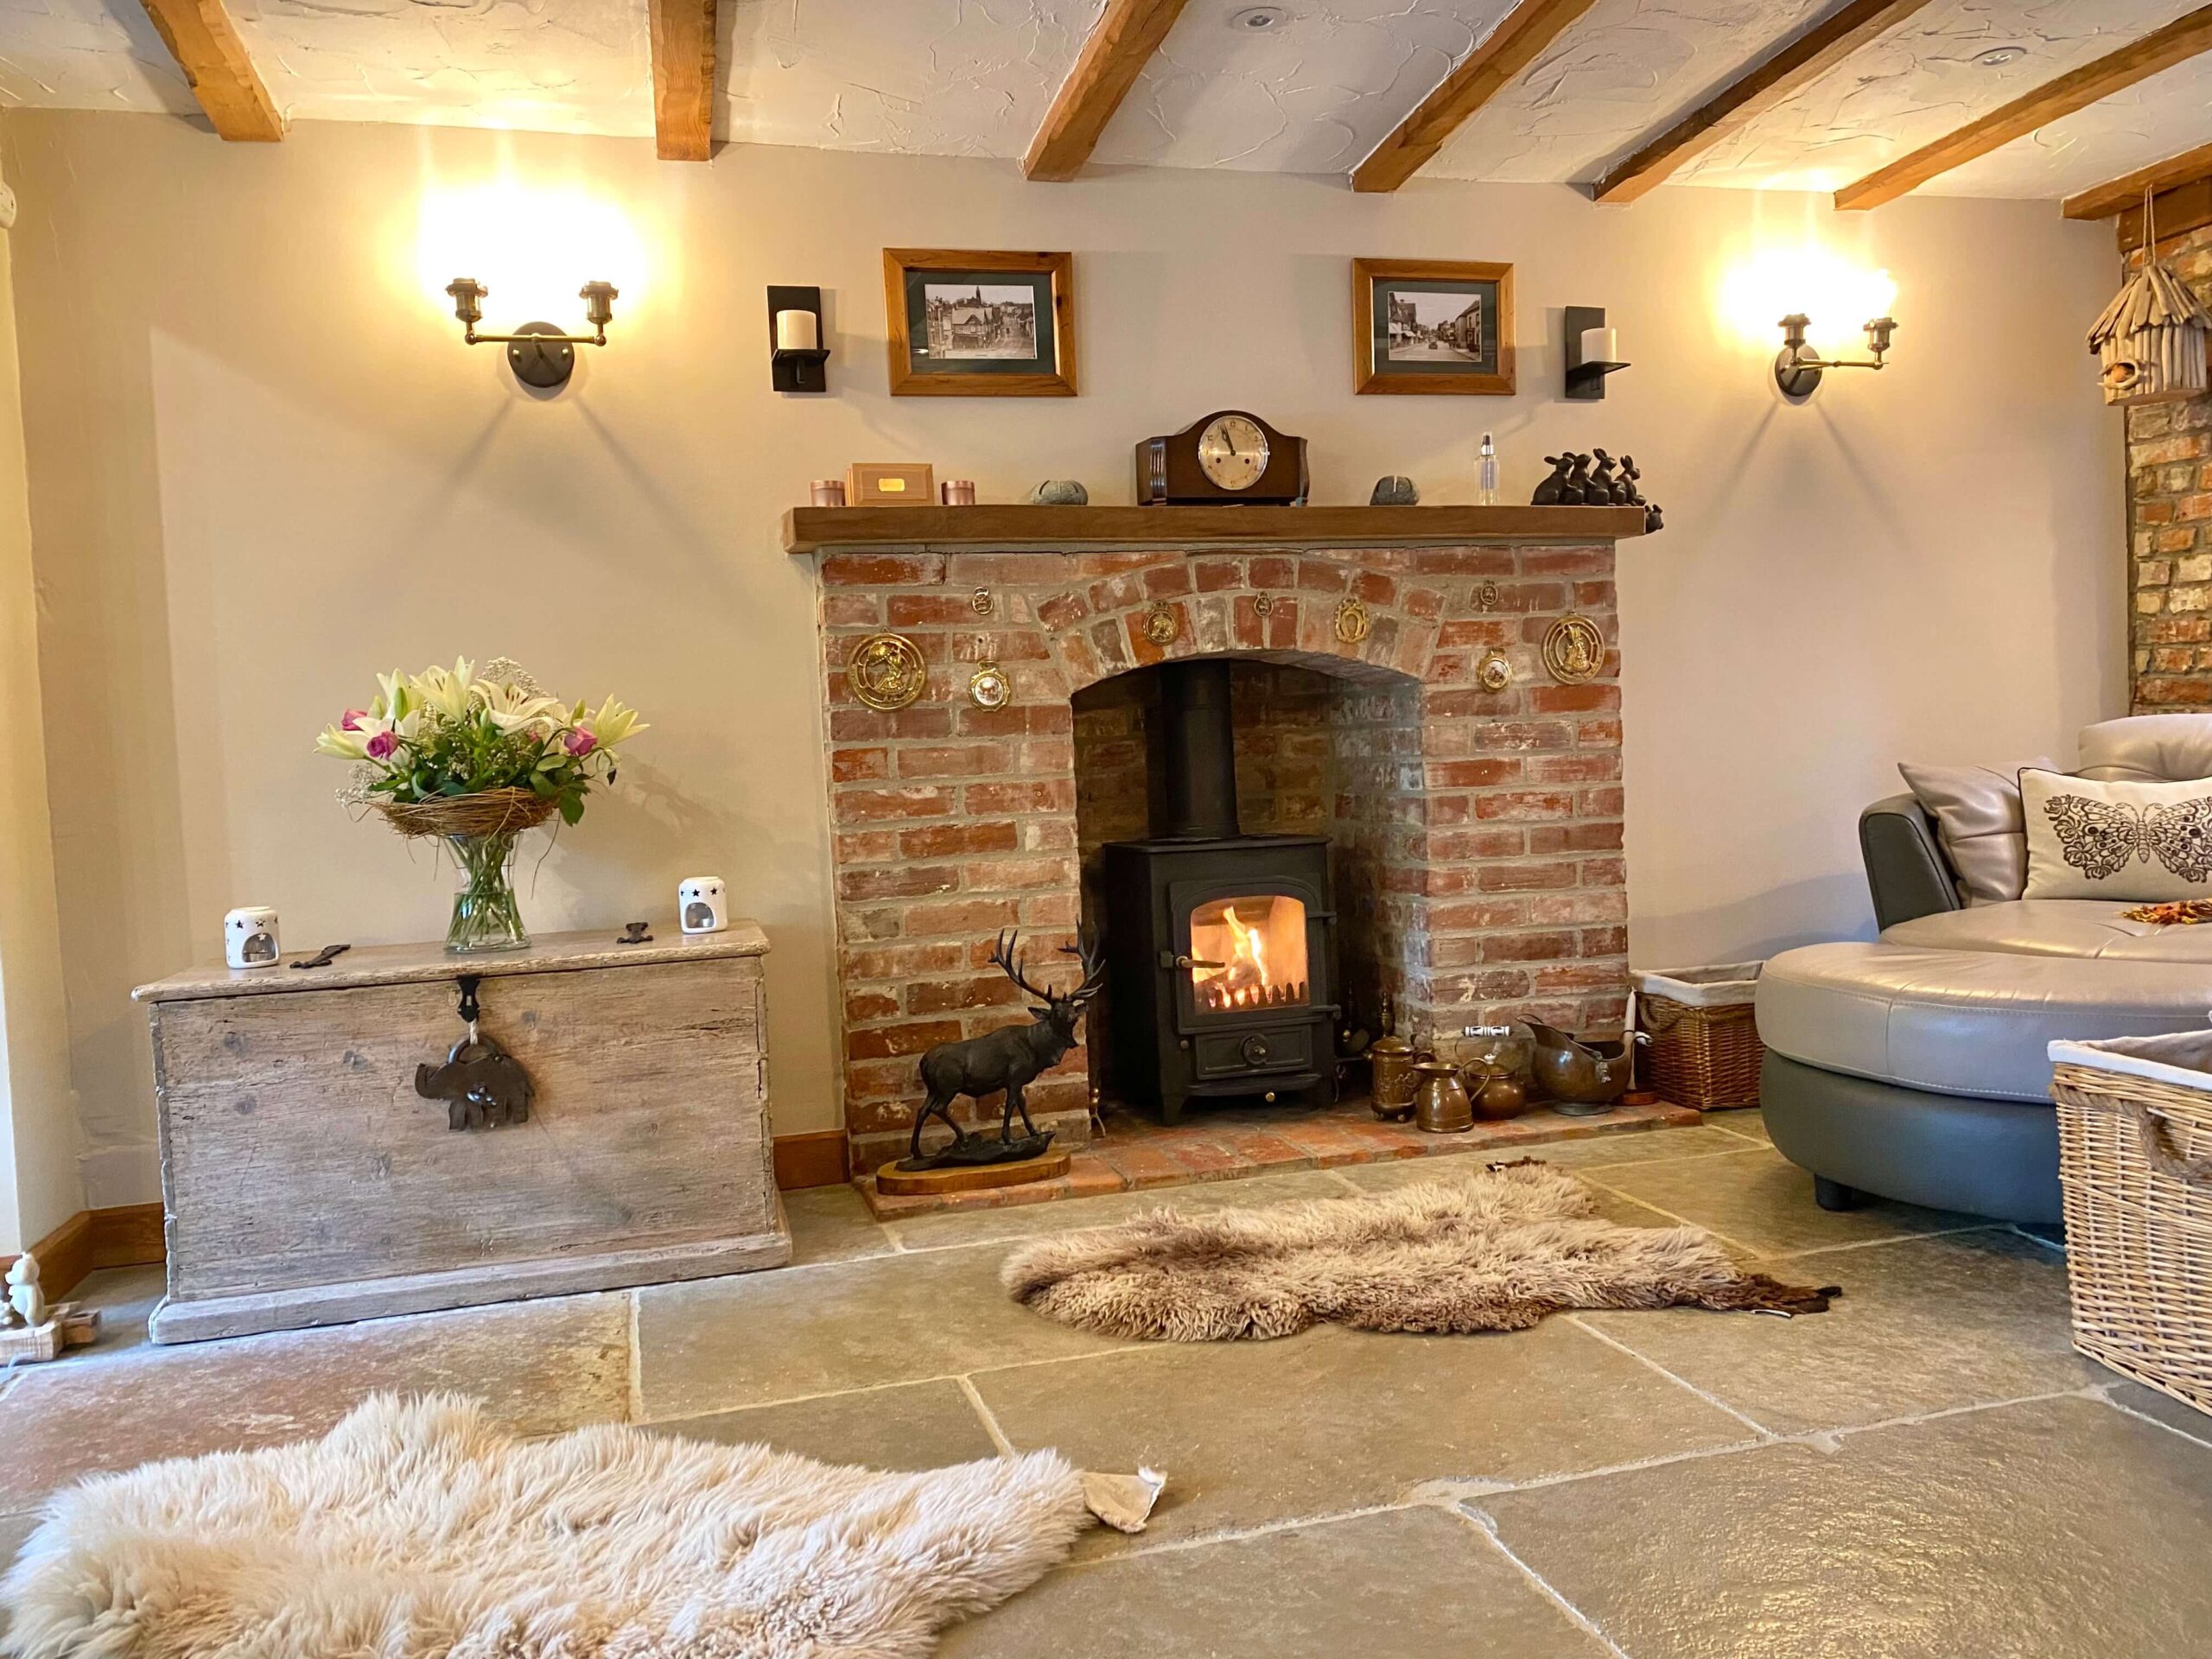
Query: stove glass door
x=1248 y=952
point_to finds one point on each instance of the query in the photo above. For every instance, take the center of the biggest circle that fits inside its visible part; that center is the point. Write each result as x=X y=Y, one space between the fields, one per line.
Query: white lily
x=613 y=724
x=512 y=709
x=347 y=746
x=447 y=690
x=398 y=700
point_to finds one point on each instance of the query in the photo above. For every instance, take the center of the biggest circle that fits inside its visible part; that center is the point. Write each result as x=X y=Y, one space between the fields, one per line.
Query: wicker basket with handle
x=1705 y=1051
x=2135 y=1166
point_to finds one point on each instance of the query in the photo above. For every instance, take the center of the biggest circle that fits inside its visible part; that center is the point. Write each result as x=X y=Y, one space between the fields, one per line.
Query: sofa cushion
x=1977 y=813
x=2117 y=838
x=2148 y=748
x=1962 y=1022
x=2091 y=928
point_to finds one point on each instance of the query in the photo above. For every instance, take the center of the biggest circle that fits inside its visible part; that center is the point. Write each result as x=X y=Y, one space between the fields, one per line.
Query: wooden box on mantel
x=307 y=1182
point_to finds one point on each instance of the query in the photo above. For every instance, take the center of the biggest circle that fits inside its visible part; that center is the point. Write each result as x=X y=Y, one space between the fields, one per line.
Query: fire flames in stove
x=1249 y=953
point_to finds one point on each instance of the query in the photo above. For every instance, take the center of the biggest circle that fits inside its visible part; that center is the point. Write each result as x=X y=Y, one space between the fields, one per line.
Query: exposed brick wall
x=2170 y=527
x=1477 y=834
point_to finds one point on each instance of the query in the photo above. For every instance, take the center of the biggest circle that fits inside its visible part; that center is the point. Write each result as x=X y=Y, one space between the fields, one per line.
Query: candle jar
x=828 y=491
x=958 y=492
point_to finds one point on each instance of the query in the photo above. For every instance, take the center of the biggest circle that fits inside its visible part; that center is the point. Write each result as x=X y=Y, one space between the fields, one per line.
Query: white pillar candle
x=796 y=332
x=1601 y=345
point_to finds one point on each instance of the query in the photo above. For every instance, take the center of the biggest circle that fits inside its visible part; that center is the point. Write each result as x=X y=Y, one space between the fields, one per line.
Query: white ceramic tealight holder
x=249 y=937
x=699 y=905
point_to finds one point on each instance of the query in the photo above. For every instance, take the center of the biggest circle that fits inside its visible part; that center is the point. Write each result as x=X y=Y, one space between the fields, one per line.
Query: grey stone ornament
x=1396 y=491
x=1060 y=492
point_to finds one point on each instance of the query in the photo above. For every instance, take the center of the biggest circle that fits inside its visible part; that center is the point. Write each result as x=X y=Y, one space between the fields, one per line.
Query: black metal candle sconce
x=1586 y=377
x=796 y=370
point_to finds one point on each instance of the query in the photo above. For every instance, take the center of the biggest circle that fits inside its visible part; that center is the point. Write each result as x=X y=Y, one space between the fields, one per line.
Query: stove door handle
x=1194 y=962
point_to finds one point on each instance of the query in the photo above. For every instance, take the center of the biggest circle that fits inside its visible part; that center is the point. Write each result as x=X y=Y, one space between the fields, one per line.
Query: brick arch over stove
x=1502 y=814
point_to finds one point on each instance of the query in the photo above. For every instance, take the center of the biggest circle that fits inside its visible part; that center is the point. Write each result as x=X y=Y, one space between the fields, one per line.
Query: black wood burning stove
x=1221 y=974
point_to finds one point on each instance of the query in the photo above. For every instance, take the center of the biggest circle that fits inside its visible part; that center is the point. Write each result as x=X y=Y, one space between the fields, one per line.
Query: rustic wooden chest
x=307 y=1180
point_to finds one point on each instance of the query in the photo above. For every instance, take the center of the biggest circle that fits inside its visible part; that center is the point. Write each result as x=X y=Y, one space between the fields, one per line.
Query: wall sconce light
x=540 y=354
x=797 y=353
x=1797 y=369
x=1593 y=352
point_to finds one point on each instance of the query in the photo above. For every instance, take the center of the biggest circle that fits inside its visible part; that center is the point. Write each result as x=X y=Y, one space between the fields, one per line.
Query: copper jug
x=1440 y=1103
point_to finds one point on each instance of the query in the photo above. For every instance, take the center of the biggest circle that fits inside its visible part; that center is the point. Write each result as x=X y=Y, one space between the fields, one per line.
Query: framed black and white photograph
x=1432 y=326
x=964 y=323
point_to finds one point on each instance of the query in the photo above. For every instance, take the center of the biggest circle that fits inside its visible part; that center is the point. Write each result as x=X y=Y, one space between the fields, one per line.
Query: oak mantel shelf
x=819 y=529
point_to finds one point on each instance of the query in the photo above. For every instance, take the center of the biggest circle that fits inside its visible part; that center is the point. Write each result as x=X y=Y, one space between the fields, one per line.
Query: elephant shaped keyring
x=482 y=1084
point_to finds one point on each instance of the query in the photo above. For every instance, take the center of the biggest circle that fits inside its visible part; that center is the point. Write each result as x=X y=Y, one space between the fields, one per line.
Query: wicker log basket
x=2135 y=1164
x=1705 y=1051
x=487 y=812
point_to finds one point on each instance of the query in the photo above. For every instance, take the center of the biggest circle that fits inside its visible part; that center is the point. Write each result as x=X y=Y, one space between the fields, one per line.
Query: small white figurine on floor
x=25 y=1299
x=699 y=905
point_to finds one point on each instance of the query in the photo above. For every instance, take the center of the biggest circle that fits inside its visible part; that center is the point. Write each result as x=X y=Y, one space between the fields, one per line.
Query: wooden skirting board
x=820 y=1158
x=130 y=1235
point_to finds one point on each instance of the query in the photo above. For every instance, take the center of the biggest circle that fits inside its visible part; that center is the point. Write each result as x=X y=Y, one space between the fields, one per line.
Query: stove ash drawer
x=1253 y=1051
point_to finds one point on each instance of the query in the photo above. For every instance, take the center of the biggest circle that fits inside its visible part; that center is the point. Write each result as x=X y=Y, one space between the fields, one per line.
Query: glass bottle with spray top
x=1486 y=472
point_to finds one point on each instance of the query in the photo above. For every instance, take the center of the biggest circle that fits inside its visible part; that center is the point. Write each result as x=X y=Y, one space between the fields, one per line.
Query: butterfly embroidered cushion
x=2125 y=841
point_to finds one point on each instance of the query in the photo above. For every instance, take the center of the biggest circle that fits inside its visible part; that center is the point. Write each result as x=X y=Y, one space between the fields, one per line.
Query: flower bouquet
x=477 y=760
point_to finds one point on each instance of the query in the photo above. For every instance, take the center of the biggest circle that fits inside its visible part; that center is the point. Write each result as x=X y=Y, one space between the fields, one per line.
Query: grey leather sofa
x=1913 y=1066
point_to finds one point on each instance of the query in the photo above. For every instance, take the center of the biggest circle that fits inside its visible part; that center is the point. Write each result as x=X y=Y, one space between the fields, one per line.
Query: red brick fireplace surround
x=1476 y=834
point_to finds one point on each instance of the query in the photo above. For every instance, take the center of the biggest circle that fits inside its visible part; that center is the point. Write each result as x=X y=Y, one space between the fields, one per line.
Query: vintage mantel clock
x=1223 y=459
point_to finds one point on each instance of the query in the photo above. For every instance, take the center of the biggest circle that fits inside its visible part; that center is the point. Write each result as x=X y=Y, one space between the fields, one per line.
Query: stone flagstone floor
x=1928 y=1470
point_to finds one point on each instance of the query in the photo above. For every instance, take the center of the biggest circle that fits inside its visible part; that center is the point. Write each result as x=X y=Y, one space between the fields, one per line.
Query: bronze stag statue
x=1011 y=1057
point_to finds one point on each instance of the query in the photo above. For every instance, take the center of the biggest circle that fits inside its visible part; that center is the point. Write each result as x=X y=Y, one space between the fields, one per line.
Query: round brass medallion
x=988 y=687
x=1353 y=623
x=1574 y=650
x=1262 y=603
x=1494 y=672
x=886 y=670
x=1161 y=624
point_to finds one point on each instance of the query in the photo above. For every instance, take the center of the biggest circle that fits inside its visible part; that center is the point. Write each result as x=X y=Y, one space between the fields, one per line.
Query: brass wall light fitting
x=1798 y=368
x=540 y=354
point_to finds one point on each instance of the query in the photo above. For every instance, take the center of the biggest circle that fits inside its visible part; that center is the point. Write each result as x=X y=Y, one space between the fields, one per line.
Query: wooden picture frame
x=1434 y=358
x=992 y=362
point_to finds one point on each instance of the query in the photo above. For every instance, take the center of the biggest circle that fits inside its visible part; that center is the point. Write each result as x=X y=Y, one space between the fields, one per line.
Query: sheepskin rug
x=416 y=1530
x=1494 y=1252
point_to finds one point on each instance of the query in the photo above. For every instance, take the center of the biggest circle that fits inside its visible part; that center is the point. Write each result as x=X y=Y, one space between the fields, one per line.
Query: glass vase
x=485 y=916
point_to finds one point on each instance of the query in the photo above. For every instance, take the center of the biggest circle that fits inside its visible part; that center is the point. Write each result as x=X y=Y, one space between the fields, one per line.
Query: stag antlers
x=1004 y=958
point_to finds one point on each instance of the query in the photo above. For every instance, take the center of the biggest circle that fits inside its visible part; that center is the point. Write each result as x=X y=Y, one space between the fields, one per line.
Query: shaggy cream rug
x=416 y=1530
x=1496 y=1252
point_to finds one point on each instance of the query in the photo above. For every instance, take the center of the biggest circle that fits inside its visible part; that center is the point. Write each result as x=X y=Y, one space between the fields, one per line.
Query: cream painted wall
x=263 y=465
x=39 y=1184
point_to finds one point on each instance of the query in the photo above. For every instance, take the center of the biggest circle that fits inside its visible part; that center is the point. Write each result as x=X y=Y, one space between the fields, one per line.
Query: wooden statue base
x=970 y=1177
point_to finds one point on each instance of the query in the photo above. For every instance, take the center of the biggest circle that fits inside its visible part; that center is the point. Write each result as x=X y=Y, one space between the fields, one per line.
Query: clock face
x=1233 y=452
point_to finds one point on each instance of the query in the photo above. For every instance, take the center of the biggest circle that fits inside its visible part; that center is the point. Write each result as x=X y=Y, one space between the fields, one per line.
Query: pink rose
x=578 y=742
x=352 y=720
x=381 y=745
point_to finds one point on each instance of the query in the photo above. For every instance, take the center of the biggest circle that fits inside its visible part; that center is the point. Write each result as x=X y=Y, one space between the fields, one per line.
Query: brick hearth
x=1138 y=1153
x=1477 y=834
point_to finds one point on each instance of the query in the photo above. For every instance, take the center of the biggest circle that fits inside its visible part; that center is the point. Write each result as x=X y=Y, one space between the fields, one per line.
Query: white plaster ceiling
x=1313 y=95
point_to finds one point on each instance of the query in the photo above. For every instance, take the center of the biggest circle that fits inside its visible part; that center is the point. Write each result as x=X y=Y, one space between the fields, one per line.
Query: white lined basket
x=2135 y=1164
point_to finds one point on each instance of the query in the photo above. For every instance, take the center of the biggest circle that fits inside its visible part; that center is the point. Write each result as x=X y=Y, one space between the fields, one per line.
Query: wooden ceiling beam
x=1811 y=55
x=205 y=45
x=1127 y=34
x=2184 y=208
x=683 y=33
x=1495 y=64
x=2127 y=191
x=2162 y=48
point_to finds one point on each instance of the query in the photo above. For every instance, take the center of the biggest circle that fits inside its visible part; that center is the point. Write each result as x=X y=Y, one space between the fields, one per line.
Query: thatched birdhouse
x=2152 y=338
